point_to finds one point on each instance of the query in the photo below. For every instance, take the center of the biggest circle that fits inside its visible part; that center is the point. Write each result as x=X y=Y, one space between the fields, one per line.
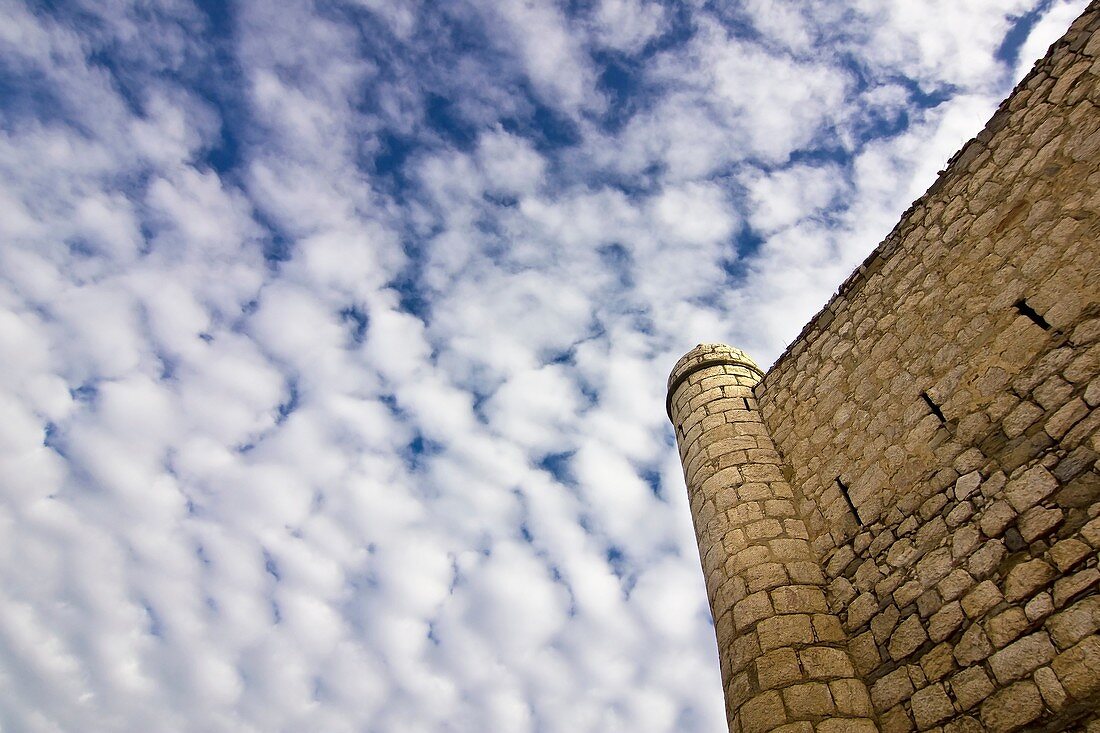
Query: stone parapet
x=784 y=656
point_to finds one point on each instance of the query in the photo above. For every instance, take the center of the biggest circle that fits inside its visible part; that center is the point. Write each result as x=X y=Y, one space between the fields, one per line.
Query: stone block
x=1027 y=578
x=861 y=610
x=957 y=582
x=799 y=599
x=1022 y=657
x=827 y=628
x=1012 y=708
x=1068 y=553
x=809 y=700
x=1038 y=522
x=970 y=687
x=847 y=725
x=896 y=720
x=826 y=662
x=891 y=689
x=996 y=518
x=1030 y=488
x=1039 y=607
x=777 y=668
x=967 y=485
x=986 y=559
x=752 y=609
x=781 y=631
x=908 y=636
x=883 y=624
x=938 y=662
x=983 y=597
x=1006 y=626
x=1071 y=586
x=1078 y=668
x=944 y=622
x=931 y=706
x=1075 y=623
x=973 y=647
x=762 y=713
x=1054 y=695
x=964 y=724
x=864 y=652
x=851 y=698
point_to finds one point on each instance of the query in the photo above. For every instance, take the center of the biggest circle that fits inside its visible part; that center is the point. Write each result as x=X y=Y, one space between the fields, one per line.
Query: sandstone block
x=798 y=599
x=851 y=698
x=847 y=725
x=971 y=686
x=781 y=631
x=826 y=662
x=762 y=713
x=1006 y=626
x=777 y=668
x=967 y=485
x=808 y=700
x=1030 y=488
x=986 y=559
x=1038 y=522
x=938 y=662
x=1022 y=657
x=1012 y=707
x=931 y=706
x=1054 y=695
x=973 y=647
x=750 y=610
x=891 y=689
x=1060 y=422
x=996 y=518
x=957 y=582
x=907 y=638
x=1069 y=553
x=861 y=610
x=1027 y=578
x=864 y=652
x=1075 y=623
x=944 y=622
x=1039 y=607
x=883 y=624
x=1071 y=586
x=1078 y=668
x=983 y=597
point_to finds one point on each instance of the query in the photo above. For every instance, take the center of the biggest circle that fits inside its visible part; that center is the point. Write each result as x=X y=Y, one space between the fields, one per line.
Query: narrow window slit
x=1026 y=310
x=746 y=401
x=933 y=407
x=844 y=492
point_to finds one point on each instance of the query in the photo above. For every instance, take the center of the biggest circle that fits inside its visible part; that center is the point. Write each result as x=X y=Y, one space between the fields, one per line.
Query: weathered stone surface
x=891 y=689
x=971 y=686
x=1021 y=657
x=1012 y=707
x=931 y=706
x=1075 y=622
x=1027 y=578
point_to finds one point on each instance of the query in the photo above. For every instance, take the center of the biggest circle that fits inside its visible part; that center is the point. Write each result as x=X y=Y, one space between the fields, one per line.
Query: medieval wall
x=937 y=423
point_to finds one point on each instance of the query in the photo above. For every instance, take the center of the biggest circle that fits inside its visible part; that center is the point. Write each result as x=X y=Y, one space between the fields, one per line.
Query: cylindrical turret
x=783 y=655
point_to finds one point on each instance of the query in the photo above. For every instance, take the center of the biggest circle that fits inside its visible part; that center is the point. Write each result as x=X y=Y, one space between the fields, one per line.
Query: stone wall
x=937 y=422
x=926 y=453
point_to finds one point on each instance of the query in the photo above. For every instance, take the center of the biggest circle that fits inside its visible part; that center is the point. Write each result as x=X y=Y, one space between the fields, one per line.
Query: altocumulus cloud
x=334 y=335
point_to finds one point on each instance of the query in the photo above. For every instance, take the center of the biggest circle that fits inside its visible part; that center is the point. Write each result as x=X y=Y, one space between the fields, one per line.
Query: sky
x=335 y=335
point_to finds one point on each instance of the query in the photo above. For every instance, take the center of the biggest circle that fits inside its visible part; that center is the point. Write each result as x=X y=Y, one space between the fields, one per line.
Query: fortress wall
x=938 y=424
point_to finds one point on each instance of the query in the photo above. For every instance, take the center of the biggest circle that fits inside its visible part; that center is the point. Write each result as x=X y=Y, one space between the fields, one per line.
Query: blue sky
x=335 y=335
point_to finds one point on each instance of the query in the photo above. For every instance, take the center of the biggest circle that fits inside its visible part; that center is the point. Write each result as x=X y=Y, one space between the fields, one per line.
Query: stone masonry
x=899 y=523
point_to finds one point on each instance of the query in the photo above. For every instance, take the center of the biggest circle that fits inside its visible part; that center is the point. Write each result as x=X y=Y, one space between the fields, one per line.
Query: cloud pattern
x=335 y=333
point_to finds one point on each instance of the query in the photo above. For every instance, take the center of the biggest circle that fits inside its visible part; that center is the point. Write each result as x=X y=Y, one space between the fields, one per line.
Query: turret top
x=702 y=357
x=705 y=355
